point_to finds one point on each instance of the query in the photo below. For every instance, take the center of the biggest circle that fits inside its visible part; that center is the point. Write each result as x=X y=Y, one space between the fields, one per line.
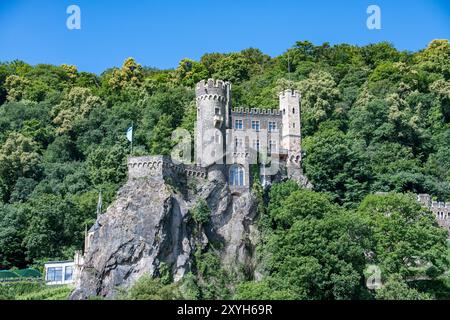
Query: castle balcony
x=218 y=120
x=279 y=151
x=282 y=151
x=238 y=190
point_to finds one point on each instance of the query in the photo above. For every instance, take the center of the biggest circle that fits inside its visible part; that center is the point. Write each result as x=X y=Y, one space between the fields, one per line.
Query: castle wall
x=261 y=115
x=441 y=210
x=248 y=136
x=161 y=167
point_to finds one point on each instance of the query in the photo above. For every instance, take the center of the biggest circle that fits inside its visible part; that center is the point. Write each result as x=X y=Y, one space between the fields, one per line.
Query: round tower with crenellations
x=213 y=99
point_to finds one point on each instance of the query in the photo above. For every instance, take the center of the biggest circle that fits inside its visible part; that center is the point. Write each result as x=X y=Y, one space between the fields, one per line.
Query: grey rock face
x=150 y=224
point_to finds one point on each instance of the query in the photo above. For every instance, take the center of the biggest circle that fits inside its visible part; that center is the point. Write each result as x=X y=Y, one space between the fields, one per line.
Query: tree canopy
x=374 y=119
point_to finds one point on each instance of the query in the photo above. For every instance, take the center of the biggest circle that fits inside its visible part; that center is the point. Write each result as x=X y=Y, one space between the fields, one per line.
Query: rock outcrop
x=150 y=224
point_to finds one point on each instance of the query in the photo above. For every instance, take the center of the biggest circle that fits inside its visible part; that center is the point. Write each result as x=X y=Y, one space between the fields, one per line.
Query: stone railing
x=161 y=166
x=256 y=111
x=440 y=205
x=440 y=209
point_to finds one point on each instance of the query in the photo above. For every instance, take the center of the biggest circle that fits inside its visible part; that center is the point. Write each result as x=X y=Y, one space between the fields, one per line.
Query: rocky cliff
x=150 y=223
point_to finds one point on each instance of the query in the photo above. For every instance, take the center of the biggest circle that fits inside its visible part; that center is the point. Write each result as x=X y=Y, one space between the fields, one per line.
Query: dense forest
x=374 y=119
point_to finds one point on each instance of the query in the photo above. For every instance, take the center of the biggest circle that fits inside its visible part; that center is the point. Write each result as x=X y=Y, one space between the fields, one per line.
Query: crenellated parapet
x=440 y=209
x=289 y=93
x=440 y=205
x=161 y=167
x=212 y=89
x=256 y=111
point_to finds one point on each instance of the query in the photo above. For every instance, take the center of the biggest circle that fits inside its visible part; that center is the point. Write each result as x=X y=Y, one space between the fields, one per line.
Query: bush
x=201 y=212
x=48 y=293
x=149 y=288
x=27 y=290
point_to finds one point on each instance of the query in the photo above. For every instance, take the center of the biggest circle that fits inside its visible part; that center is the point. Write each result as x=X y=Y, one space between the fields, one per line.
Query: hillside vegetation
x=373 y=120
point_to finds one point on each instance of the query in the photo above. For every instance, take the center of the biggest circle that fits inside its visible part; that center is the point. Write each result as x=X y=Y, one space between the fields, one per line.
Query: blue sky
x=161 y=33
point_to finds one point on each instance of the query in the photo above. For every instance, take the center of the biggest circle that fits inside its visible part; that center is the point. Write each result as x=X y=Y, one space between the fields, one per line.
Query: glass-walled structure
x=59 y=272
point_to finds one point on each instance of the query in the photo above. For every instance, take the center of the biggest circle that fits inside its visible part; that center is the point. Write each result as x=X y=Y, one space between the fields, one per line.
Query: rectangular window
x=255 y=125
x=54 y=274
x=272 y=126
x=68 y=274
x=217 y=111
x=238 y=124
x=272 y=146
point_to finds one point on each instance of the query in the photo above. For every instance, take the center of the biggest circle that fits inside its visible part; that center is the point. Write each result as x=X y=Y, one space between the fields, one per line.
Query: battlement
x=289 y=93
x=161 y=167
x=440 y=205
x=212 y=89
x=425 y=199
x=256 y=111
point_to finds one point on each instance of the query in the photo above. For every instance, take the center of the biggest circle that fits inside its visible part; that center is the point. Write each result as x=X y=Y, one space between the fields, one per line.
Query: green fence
x=19 y=275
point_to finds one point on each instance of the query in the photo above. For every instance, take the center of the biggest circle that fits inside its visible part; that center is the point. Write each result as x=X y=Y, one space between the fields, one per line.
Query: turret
x=291 y=132
x=424 y=199
x=213 y=118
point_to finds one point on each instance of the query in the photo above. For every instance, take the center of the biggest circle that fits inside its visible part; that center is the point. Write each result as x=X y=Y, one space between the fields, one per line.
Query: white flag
x=130 y=134
x=99 y=204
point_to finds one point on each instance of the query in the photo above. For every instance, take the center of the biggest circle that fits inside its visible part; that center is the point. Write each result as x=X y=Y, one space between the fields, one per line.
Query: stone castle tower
x=213 y=118
x=291 y=130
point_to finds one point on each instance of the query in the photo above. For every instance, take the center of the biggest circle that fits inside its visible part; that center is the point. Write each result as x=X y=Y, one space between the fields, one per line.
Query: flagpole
x=132 y=131
x=85 y=237
x=99 y=203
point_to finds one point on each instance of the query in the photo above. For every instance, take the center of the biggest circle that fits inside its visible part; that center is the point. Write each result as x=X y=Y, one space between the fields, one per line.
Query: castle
x=440 y=209
x=232 y=145
x=236 y=144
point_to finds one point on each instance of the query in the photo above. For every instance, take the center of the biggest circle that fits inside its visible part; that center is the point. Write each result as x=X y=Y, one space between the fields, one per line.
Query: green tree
x=18 y=158
x=233 y=67
x=319 y=96
x=161 y=138
x=316 y=249
x=53 y=224
x=396 y=289
x=189 y=72
x=201 y=212
x=405 y=235
x=107 y=164
x=12 y=230
x=149 y=288
x=76 y=105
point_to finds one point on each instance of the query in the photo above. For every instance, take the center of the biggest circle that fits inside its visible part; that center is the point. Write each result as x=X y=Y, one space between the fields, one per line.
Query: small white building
x=59 y=272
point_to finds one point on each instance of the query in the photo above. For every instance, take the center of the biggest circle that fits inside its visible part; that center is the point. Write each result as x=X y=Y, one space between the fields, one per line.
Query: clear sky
x=160 y=33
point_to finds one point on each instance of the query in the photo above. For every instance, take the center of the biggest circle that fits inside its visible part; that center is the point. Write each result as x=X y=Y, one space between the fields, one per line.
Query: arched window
x=236 y=175
x=293 y=110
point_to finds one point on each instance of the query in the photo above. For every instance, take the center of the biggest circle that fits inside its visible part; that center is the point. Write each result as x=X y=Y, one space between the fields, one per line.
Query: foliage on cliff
x=373 y=119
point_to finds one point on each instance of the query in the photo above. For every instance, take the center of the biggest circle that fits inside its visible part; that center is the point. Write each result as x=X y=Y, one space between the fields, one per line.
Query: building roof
x=18 y=274
x=56 y=262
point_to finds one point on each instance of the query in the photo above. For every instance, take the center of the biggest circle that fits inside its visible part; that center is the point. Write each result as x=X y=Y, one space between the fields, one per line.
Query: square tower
x=291 y=131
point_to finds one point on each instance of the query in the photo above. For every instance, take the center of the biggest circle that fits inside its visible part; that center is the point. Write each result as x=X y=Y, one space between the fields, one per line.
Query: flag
x=130 y=134
x=99 y=204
